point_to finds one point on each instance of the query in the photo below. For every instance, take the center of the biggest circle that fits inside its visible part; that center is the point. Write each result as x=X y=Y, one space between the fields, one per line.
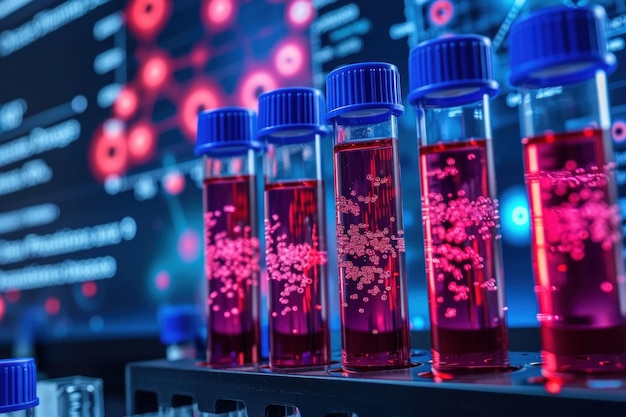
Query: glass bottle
x=451 y=82
x=226 y=141
x=364 y=101
x=291 y=122
x=18 y=391
x=570 y=180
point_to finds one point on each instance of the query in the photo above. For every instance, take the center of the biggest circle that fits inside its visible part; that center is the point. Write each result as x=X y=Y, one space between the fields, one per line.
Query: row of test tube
x=559 y=62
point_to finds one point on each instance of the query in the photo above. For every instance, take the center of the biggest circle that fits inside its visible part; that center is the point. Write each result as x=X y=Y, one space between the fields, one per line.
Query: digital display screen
x=100 y=192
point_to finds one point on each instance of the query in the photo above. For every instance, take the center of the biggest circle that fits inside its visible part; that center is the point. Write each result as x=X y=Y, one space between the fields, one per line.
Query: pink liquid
x=297 y=272
x=463 y=258
x=370 y=246
x=576 y=242
x=232 y=269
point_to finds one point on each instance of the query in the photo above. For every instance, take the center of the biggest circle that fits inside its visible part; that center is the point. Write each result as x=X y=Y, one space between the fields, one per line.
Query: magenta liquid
x=232 y=268
x=463 y=260
x=370 y=247
x=577 y=252
x=297 y=272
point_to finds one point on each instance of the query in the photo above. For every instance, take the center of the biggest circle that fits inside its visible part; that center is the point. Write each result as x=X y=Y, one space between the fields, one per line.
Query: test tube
x=559 y=63
x=451 y=82
x=364 y=101
x=230 y=152
x=18 y=387
x=291 y=122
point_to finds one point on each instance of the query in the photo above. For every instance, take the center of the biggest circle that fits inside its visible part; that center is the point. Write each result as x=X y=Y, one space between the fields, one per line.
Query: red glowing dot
x=108 y=151
x=300 y=12
x=146 y=18
x=441 y=12
x=199 y=56
x=562 y=268
x=289 y=59
x=619 y=131
x=219 y=14
x=13 y=296
x=141 y=142
x=174 y=182
x=52 y=306
x=126 y=103
x=553 y=386
x=606 y=286
x=199 y=98
x=89 y=289
x=188 y=245
x=588 y=132
x=162 y=281
x=253 y=86
x=155 y=71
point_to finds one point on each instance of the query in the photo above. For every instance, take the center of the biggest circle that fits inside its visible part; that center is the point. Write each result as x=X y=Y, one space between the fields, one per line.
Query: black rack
x=330 y=392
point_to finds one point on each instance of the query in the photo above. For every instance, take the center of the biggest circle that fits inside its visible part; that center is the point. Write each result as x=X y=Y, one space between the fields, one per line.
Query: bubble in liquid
x=361 y=310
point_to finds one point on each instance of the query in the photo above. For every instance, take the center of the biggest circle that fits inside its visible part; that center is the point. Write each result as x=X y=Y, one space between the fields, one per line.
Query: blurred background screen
x=100 y=198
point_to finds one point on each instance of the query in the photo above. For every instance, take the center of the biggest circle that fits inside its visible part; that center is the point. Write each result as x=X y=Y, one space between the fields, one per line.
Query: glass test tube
x=364 y=101
x=232 y=251
x=291 y=124
x=570 y=180
x=18 y=390
x=451 y=82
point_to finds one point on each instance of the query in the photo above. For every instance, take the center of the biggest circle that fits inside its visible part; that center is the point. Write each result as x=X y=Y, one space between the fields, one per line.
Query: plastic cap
x=559 y=45
x=452 y=71
x=291 y=115
x=18 y=384
x=226 y=131
x=364 y=90
x=178 y=323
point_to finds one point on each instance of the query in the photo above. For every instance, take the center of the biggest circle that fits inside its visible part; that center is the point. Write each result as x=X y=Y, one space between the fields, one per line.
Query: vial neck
x=215 y=166
x=293 y=161
x=348 y=130
x=565 y=108
x=454 y=124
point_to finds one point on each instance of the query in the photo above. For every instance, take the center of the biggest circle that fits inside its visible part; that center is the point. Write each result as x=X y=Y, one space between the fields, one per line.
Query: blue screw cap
x=291 y=115
x=18 y=384
x=365 y=90
x=559 y=45
x=226 y=131
x=451 y=71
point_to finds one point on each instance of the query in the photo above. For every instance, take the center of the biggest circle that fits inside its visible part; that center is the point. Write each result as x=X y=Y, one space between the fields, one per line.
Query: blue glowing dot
x=515 y=216
x=519 y=216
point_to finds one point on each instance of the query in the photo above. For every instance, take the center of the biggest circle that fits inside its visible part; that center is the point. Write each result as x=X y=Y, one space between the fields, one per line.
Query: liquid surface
x=371 y=255
x=232 y=268
x=576 y=242
x=463 y=256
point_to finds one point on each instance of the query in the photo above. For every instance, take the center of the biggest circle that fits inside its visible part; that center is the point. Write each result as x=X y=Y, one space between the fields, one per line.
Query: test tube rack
x=330 y=392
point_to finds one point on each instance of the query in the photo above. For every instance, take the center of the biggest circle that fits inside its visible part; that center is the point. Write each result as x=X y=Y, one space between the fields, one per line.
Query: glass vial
x=451 y=82
x=570 y=180
x=364 y=101
x=71 y=396
x=231 y=252
x=18 y=391
x=291 y=122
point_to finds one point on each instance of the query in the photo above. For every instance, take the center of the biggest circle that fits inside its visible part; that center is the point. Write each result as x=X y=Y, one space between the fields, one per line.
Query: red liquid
x=232 y=269
x=576 y=241
x=297 y=272
x=370 y=247
x=463 y=257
